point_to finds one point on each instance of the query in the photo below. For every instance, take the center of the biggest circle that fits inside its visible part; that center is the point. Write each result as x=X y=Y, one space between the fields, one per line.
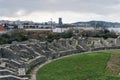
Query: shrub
x=56 y=36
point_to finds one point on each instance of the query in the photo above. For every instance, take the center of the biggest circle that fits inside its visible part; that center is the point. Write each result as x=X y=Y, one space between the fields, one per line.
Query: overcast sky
x=69 y=10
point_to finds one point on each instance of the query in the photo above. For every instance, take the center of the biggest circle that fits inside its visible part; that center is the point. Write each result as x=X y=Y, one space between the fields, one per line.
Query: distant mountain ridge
x=98 y=24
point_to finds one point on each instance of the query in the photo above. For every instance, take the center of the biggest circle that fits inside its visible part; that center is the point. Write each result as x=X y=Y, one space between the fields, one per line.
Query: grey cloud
x=102 y=7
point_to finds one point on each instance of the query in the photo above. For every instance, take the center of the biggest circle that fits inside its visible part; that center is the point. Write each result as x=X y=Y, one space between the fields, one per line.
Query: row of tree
x=22 y=35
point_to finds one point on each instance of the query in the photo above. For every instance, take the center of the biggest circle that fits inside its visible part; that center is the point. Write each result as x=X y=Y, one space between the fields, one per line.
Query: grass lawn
x=79 y=67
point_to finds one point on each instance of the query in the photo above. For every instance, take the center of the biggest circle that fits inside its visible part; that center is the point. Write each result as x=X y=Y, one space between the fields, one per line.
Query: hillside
x=98 y=24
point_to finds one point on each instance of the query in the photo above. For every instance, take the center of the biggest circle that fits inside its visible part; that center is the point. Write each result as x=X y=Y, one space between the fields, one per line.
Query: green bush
x=56 y=36
x=107 y=35
x=8 y=39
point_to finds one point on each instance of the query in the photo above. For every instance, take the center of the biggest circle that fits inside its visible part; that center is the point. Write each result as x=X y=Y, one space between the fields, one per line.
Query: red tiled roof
x=2 y=28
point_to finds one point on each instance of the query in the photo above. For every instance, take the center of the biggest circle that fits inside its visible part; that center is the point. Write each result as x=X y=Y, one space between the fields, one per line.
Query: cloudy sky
x=69 y=10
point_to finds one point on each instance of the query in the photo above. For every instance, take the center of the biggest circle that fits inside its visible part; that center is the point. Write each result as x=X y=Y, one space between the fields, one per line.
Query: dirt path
x=33 y=73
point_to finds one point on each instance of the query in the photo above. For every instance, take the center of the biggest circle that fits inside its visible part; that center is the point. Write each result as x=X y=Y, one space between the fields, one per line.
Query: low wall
x=38 y=60
x=11 y=77
x=105 y=48
x=65 y=53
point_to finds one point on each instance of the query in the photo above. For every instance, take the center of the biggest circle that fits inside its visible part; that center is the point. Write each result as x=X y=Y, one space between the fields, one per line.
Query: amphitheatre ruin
x=18 y=58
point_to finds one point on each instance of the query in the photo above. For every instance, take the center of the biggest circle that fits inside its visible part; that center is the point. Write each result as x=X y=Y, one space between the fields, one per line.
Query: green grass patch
x=78 y=67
